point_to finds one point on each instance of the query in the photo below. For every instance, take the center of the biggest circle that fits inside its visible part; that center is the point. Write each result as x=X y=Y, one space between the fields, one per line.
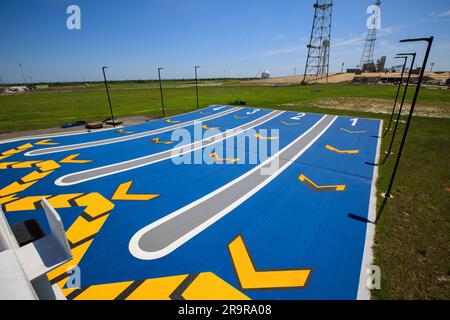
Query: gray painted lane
x=128 y=137
x=165 y=235
x=82 y=176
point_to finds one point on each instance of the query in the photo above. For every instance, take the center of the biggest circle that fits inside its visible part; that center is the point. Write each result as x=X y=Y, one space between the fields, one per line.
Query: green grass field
x=413 y=233
x=51 y=109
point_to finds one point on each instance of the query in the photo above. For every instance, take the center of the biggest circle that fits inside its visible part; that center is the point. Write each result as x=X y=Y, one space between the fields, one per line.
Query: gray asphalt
x=95 y=173
x=90 y=144
x=163 y=235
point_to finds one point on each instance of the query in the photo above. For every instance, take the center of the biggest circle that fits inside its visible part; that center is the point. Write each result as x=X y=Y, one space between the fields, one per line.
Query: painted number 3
x=298 y=116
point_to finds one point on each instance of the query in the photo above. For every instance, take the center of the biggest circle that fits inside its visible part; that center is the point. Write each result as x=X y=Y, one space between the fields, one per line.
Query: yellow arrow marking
x=348 y=131
x=71 y=159
x=232 y=160
x=341 y=151
x=237 y=117
x=210 y=128
x=172 y=121
x=46 y=142
x=201 y=112
x=157 y=141
x=290 y=124
x=265 y=138
x=19 y=149
x=250 y=278
x=309 y=183
x=122 y=193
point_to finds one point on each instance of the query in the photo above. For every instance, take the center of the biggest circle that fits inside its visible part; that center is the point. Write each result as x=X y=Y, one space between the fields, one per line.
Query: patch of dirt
x=380 y=106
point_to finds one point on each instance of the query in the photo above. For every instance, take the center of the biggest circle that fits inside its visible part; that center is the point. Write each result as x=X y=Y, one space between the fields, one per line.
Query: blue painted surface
x=285 y=225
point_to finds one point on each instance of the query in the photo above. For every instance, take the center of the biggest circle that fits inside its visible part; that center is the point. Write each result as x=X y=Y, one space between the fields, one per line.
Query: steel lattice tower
x=318 y=59
x=367 y=63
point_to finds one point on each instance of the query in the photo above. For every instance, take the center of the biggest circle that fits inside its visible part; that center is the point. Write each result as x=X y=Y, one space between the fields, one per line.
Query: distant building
x=265 y=75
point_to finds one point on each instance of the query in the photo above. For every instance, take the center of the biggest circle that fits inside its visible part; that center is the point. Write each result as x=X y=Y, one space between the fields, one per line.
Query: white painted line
x=95 y=143
x=137 y=252
x=184 y=150
x=363 y=291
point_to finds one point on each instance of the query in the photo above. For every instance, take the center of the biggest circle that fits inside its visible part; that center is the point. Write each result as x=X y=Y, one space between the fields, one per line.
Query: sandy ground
x=378 y=106
x=339 y=77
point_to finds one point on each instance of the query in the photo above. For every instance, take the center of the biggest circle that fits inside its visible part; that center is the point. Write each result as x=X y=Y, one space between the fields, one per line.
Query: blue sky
x=225 y=37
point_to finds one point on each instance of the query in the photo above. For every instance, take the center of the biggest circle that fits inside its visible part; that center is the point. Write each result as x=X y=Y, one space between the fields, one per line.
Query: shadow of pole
x=379 y=213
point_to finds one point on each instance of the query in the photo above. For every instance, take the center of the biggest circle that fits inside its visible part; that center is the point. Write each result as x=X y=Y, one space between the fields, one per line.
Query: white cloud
x=284 y=50
x=444 y=14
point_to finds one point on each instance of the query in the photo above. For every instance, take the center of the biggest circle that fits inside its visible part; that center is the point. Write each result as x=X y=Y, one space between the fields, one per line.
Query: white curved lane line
x=96 y=143
x=158 y=157
x=134 y=245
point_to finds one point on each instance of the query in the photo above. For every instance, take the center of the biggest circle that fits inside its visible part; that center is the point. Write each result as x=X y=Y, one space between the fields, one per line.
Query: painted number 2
x=254 y=111
x=298 y=116
x=354 y=121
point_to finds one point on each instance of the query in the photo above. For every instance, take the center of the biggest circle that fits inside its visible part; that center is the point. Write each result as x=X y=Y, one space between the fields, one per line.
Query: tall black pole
x=160 y=90
x=196 y=84
x=109 y=99
x=398 y=90
x=413 y=104
x=403 y=99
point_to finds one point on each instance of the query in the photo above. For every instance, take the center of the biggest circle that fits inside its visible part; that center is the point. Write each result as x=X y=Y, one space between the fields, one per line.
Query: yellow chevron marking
x=208 y=286
x=265 y=138
x=210 y=128
x=249 y=278
x=338 y=187
x=341 y=151
x=24 y=204
x=24 y=165
x=205 y=286
x=77 y=254
x=157 y=289
x=123 y=131
x=201 y=112
x=122 y=193
x=172 y=121
x=48 y=165
x=353 y=132
x=7 y=198
x=231 y=160
x=19 y=149
x=95 y=204
x=46 y=142
x=157 y=141
x=290 y=124
x=82 y=229
x=104 y=291
x=71 y=159
x=4 y=165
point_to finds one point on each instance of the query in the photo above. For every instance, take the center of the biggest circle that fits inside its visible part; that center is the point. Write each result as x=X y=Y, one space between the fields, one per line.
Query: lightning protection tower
x=367 y=63
x=318 y=60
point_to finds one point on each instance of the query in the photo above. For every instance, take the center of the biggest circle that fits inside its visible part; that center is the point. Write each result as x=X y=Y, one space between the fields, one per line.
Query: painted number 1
x=354 y=121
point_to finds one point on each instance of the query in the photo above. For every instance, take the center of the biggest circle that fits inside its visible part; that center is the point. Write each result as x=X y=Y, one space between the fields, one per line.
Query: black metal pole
x=196 y=84
x=160 y=90
x=411 y=112
x=403 y=99
x=109 y=99
x=398 y=90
